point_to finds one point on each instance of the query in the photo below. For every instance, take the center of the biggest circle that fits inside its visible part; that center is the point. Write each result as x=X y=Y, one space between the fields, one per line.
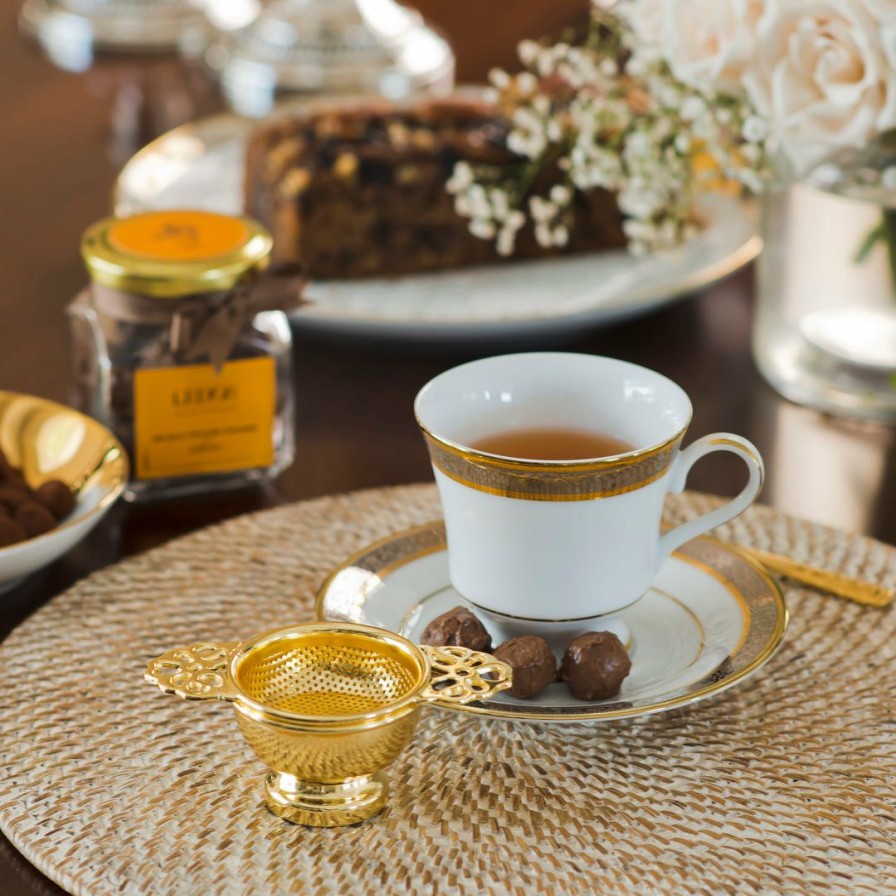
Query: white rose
x=883 y=9
x=821 y=77
x=646 y=20
x=708 y=43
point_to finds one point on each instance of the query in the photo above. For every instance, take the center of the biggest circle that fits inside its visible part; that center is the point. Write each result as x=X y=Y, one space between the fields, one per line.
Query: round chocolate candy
x=457 y=628
x=533 y=664
x=10 y=531
x=7 y=470
x=12 y=495
x=595 y=665
x=57 y=497
x=34 y=518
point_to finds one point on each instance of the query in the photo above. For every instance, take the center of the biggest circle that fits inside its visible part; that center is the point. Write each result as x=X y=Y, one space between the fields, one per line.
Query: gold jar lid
x=166 y=254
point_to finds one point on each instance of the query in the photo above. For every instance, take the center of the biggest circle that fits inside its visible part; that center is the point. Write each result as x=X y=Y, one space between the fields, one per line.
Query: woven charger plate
x=786 y=783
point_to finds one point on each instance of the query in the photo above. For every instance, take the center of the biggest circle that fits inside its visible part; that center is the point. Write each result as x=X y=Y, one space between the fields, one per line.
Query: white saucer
x=200 y=165
x=711 y=619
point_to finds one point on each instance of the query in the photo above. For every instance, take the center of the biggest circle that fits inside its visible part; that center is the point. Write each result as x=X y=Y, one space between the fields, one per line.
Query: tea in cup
x=552 y=469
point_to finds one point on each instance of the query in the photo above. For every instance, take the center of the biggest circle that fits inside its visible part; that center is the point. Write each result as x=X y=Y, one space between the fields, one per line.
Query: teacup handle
x=460 y=675
x=718 y=441
x=197 y=672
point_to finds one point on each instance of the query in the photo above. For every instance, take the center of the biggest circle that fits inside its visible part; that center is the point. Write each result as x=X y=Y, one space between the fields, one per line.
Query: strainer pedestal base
x=325 y=805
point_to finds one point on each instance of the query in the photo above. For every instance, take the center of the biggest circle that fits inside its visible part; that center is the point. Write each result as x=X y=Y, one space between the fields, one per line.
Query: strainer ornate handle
x=460 y=675
x=197 y=672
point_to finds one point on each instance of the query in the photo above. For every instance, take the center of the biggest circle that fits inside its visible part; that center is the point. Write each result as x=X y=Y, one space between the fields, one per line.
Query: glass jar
x=73 y=32
x=296 y=49
x=182 y=347
x=825 y=327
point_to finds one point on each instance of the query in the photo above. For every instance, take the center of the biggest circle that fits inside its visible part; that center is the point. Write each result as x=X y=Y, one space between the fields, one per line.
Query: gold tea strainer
x=327 y=706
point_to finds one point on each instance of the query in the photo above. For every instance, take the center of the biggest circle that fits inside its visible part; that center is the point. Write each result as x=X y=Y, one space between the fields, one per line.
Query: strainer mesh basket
x=328 y=674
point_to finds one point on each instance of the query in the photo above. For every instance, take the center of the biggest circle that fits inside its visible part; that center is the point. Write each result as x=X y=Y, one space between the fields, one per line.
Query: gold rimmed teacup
x=327 y=706
x=562 y=544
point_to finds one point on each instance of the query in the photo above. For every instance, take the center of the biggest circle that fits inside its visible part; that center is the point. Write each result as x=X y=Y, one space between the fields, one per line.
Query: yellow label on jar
x=192 y=420
x=178 y=236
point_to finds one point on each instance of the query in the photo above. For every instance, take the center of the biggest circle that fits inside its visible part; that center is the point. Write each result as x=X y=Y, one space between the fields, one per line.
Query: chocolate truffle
x=34 y=518
x=457 y=628
x=533 y=664
x=7 y=470
x=595 y=665
x=25 y=513
x=10 y=531
x=12 y=495
x=57 y=497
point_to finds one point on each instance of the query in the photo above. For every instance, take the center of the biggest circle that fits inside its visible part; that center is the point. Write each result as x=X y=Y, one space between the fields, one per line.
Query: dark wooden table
x=63 y=138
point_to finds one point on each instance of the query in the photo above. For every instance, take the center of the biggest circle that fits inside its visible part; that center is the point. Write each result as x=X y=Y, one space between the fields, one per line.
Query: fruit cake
x=359 y=190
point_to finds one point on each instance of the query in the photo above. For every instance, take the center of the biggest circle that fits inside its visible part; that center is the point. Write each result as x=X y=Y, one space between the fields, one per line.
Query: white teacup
x=537 y=544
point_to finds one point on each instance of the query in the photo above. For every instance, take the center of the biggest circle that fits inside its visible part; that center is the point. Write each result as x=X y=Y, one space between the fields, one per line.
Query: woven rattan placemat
x=786 y=783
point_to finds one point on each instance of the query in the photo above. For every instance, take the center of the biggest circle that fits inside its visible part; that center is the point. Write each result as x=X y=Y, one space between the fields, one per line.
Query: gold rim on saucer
x=739 y=592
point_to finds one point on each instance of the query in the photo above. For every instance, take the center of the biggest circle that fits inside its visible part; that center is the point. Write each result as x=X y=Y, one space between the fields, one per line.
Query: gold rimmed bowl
x=327 y=706
x=46 y=440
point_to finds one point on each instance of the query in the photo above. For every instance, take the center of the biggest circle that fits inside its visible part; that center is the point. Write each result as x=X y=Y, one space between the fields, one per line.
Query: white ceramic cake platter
x=201 y=166
x=712 y=618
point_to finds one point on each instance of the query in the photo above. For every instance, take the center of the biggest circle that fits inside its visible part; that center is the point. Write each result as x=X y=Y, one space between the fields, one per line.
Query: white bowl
x=51 y=441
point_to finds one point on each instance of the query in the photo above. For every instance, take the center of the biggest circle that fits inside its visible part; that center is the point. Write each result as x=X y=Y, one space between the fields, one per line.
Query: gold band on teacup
x=552 y=480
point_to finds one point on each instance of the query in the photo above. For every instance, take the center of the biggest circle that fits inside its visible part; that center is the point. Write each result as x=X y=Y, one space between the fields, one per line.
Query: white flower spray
x=601 y=115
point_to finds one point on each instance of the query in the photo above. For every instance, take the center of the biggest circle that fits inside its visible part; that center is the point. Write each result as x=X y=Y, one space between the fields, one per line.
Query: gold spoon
x=858 y=590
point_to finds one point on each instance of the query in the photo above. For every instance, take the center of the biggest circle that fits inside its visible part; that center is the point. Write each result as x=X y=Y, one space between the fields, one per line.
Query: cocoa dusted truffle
x=7 y=470
x=457 y=628
x=12 y=495
x=533 y=664
x=34 y=518
x=595 y=665
x=10 y=532
x=57 y=497
x=26 y=512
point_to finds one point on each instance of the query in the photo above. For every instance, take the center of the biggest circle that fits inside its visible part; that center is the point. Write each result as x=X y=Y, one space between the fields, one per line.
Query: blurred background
x=72 y=118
